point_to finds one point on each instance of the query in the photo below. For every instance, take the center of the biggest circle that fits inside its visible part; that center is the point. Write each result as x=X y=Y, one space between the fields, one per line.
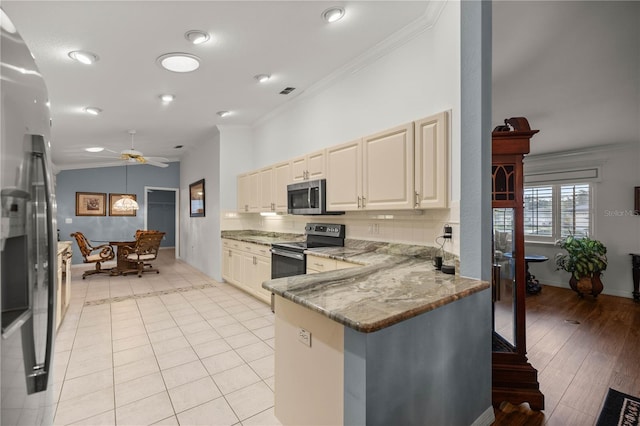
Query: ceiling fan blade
x=157 y=164
x=158 y=159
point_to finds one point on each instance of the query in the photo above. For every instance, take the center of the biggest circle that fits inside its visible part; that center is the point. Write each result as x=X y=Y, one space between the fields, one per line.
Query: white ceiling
x=287 y=39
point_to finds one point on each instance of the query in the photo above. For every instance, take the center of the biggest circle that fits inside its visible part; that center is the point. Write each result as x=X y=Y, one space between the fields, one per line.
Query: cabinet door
x=263 y=273
x=281 y=178
x=344 y=175
x=432 y=161
x=226 y=264
x=265 y=183
x=248 y=269
x=387 y=168
x=299 y=169
x=316 y=165
x=236 y=267
x=253 y=191
x=242 y=193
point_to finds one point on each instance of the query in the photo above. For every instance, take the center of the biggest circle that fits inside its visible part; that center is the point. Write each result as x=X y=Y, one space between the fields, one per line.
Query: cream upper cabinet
x=308 y=167
x=253 y=191
x=432 y=161
x=281 y=178
x=265 y=184
x=243 y=192
x=373 y=173
x=344 y=176
x=387 y=169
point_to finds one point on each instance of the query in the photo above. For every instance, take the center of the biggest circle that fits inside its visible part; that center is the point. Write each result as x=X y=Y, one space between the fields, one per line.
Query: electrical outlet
x=448 y=232
x=304 y=336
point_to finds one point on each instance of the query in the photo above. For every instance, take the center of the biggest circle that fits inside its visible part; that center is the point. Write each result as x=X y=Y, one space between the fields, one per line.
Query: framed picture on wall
x=196 y=199
x=113 y=198
x=637 y=203
x=91 y=204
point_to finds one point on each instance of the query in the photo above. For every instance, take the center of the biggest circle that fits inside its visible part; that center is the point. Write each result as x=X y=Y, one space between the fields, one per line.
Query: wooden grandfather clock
x=514 y=378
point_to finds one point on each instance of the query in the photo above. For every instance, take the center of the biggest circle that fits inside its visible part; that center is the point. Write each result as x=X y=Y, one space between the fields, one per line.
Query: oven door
x=285 y=263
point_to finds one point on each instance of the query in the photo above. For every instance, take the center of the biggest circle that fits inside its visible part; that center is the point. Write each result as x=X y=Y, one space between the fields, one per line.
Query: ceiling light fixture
x=333 y=14
x=179 y=62
x=92 y=110
x=197 y=36
x=223 y=113
x=94 y=149
x=84 y=57
x=262 y=77
x=167 y=98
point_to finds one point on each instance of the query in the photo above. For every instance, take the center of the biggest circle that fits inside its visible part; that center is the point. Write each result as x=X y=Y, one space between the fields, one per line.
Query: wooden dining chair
x=93 y=254
x=144 y=252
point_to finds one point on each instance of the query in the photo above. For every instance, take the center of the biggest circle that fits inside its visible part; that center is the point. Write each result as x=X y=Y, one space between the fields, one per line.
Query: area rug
x=619 y=409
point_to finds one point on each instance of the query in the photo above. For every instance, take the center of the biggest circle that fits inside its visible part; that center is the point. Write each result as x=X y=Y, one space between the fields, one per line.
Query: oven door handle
x=285 y=253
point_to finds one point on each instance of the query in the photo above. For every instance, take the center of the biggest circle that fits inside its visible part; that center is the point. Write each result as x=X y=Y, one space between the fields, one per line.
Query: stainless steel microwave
x=308 y=198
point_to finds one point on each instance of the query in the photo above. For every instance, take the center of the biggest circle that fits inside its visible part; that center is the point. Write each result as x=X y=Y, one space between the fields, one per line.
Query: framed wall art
x=113 y=198
x=91 y=204
x=637 y=200
x=196 y=199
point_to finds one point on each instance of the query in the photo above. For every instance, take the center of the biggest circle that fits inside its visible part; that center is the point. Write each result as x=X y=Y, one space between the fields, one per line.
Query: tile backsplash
x=419 y=227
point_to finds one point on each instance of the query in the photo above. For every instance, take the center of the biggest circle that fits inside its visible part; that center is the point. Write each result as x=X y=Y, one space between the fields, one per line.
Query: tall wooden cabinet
x=515 y=380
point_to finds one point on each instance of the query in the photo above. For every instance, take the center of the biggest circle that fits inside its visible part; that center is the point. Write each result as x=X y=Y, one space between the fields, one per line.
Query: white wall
x=235 y=153
x=418 y=78
x=200 y=236
x=613 y=221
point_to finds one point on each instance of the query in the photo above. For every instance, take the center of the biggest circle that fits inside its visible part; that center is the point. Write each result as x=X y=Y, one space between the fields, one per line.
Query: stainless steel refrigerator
x=28 y=238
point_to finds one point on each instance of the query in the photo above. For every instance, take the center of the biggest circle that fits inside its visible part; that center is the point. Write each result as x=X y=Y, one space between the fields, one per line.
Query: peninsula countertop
x=395 y=283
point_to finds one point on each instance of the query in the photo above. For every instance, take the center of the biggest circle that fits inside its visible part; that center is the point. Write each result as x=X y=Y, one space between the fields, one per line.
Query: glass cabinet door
x=504 y=281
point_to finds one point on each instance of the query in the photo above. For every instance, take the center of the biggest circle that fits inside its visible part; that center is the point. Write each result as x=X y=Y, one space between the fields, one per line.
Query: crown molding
x=410 y=31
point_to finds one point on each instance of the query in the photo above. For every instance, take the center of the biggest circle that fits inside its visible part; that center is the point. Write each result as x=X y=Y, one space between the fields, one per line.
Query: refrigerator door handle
x=37 y=374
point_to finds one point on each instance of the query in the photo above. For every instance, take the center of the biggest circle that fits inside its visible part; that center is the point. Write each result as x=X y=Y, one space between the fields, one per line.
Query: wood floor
x=578 y=362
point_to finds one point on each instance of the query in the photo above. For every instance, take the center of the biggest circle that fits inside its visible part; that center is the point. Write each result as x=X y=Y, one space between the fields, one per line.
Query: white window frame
x=555 y=212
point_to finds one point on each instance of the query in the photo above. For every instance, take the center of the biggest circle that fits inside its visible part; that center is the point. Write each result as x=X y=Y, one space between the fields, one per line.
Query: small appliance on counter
x=288 y=259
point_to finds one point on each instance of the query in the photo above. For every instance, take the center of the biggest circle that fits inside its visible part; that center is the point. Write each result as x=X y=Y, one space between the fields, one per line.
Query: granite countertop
x=261 y=237
x=395 y=283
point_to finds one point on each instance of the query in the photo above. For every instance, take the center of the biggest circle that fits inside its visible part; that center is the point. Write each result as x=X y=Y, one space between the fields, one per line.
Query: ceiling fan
x=133 y=156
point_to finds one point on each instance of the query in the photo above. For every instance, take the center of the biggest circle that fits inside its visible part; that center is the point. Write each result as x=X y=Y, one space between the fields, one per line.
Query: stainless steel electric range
x=288 y=259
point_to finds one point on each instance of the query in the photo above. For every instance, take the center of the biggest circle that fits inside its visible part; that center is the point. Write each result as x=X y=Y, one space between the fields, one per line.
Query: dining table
x=122 y=264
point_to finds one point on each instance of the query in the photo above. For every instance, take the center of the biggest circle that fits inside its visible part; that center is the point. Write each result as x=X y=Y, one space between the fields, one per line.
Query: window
x=555 y=211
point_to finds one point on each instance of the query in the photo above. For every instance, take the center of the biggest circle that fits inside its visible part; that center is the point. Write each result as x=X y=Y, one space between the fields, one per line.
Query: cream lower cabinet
x=247 y=266
x=372 y=173
x=316 y=264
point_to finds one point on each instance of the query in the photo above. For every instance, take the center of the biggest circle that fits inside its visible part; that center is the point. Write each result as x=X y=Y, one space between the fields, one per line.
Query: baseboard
x=487 y=418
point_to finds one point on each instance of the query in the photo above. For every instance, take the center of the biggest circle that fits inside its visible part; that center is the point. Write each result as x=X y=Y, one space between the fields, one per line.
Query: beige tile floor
x=171 y=348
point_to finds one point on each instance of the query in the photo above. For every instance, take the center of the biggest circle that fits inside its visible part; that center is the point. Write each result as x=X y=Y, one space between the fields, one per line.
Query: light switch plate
x=304 y=336
x=68 y=220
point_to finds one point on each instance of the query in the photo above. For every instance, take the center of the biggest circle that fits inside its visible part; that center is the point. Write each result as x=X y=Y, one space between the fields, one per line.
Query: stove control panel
x=326 y=229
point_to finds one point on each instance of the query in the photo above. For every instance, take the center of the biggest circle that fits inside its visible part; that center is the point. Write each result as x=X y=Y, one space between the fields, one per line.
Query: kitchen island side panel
x=431 y=369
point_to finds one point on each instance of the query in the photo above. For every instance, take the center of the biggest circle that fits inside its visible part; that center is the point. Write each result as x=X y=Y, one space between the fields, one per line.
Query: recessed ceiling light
x=197 y=36
x=333 y=14
x=262 y=77
x=83 y=57
x=223 y=113
x=6 y=23
x=179 y=62
x=93 y=110
x=94 y=149
x=167 y=98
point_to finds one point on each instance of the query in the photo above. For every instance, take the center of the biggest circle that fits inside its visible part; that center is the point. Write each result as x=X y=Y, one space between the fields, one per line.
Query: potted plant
x=585 y=259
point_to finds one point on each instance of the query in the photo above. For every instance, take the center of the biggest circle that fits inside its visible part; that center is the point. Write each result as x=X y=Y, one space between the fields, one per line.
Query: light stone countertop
x=395 y=282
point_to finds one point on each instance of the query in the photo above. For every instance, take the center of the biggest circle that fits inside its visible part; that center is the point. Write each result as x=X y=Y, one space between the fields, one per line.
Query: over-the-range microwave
x=308 y=198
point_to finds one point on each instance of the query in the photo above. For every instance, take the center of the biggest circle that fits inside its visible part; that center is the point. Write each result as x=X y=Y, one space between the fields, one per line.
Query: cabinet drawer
x=320 y=264
x=231 y=244
x=344 y=265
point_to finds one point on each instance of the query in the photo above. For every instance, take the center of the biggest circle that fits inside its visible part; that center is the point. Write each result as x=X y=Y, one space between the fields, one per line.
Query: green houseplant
x=585 y=259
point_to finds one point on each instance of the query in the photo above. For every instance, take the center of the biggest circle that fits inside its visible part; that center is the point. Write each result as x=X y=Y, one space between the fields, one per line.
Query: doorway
x=162 y=213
